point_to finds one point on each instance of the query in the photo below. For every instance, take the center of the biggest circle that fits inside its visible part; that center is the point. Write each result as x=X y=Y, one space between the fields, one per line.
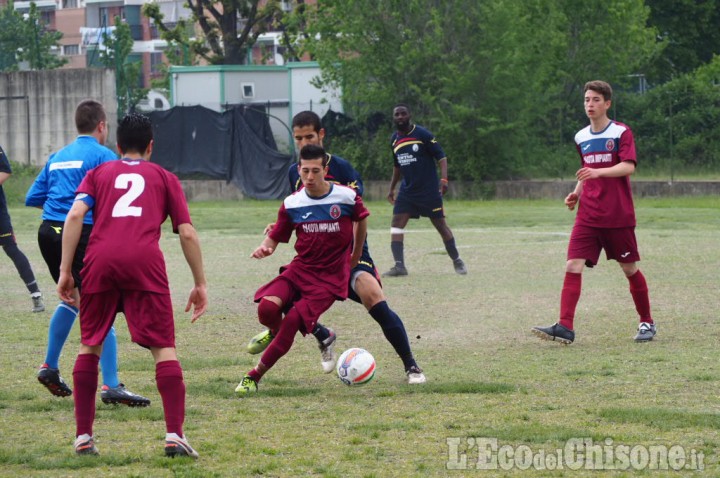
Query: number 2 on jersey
x=136 y=185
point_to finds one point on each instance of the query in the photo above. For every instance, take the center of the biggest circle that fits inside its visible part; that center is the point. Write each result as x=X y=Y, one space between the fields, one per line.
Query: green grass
x=487 y=375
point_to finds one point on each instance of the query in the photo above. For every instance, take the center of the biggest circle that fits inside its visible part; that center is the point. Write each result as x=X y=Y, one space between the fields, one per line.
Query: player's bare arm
x=393 y=183
x=443 y=176
x=3 y=177
x=626 y=168
x=266 y=248
x=359 y=235
x=190 y=244
x=70 y=238
x=268 y=228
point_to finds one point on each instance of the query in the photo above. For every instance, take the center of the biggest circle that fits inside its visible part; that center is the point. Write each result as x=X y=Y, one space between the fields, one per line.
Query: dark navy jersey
x=417 y=154
x=4 y=168
x=339 y=172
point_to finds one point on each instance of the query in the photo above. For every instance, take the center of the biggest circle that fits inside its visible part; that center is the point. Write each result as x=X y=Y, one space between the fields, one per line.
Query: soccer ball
x=355 y=366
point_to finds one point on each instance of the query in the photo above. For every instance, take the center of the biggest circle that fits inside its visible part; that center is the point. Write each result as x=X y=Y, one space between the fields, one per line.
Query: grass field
x=489 y=378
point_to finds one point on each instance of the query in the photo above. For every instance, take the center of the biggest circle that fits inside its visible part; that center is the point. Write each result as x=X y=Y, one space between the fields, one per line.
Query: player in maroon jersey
x=124 y=271
x=606 y=215
x=322 y=215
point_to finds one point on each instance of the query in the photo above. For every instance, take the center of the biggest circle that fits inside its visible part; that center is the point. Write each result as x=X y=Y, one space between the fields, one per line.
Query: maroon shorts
x=619 y=244
x=149 y=317
x=309 y=300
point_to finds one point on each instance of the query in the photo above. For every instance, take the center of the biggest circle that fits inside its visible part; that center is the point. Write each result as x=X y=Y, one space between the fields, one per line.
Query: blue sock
x=108 y=360
x=394 y=332
x=60 y=324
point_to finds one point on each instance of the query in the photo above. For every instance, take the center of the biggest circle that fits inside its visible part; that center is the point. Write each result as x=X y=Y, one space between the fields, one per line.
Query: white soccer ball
x=355 y=366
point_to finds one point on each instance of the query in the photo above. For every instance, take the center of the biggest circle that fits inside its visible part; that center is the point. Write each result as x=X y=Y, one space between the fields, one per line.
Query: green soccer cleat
x=246 y=386
x=260 y=342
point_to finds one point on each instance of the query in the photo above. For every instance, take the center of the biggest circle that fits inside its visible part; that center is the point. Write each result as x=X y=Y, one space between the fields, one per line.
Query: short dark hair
x=313 y=151
x=88 y=114
x=134 y=133
x=402 y=105
x=307 y=118
x=601 y=87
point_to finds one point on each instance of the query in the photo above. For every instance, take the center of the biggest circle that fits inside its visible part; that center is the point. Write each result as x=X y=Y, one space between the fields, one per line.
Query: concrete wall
x=37 y=109
x=377 y=190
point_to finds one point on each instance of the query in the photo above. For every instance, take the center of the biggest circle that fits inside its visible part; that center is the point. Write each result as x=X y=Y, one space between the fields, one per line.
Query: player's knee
x=269 y=313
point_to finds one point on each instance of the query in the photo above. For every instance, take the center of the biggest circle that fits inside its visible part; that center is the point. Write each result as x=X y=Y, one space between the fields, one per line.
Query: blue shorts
x=431 y=207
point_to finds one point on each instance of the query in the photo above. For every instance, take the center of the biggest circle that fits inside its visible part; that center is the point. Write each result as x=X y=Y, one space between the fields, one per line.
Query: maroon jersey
x=606 y=202
x=130 y=200
x=324 y=229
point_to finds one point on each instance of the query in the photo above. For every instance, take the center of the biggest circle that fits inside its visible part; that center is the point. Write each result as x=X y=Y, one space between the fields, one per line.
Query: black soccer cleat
x=555 y=332
x=50 y=377
x=122 y=396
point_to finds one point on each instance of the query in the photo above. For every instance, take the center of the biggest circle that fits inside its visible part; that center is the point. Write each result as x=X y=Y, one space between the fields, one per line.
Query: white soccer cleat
x=415 y=375
x=327 y=352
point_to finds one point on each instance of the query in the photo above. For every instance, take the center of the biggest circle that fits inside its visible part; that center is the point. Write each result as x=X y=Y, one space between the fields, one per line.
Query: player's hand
x=587 y=173
x=571 y=200
x=443 y=188
x=66 y=287
x=268 y=228
x=391 y=197
x=198 y=298
x=262 y=251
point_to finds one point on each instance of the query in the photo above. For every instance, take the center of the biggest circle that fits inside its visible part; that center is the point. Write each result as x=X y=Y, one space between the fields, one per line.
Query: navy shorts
x=365 y=264
x=50 y=242
x=431 y=207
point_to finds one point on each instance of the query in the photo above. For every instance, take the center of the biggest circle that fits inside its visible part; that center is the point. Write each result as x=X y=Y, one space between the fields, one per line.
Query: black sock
x=451 y=249
x=23 y=267
x=320 y=332
x=397 y=248
x=394 y=331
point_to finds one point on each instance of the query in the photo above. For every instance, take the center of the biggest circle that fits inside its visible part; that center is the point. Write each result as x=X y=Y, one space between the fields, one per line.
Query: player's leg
x=63 y=318
x=281 y=344
x=151 y=324
x=583 y=249
x=21 y=262
x=273 y=299
x=171 y=386
x=113 y=391
x=98 y=312
x=397 y=242
x=367 y=288
x=621 y=245
x=448 y=240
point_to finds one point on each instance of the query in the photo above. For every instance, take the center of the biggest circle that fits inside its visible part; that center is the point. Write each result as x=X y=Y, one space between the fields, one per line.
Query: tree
x=115 y=55
x=496 y=80
x=688 y=29
x=26 y=38
x=227 y=27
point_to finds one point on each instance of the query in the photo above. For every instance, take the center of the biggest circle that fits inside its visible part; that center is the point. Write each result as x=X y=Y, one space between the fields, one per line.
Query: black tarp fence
x=236 y=145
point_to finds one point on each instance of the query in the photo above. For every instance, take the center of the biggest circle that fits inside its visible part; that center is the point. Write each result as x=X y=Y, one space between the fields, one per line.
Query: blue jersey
x=416 y=154
x=339 y=172
x=54 y=188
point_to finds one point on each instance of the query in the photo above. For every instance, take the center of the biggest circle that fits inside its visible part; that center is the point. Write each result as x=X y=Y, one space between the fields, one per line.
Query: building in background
x=280 y=91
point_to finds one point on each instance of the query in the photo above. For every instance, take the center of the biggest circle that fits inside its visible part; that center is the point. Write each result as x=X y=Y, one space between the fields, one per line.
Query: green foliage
x=677 y=125
x=26 y=38
x=116 y=55
x=498 y=82
x=16 y=186
x=689 y=32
